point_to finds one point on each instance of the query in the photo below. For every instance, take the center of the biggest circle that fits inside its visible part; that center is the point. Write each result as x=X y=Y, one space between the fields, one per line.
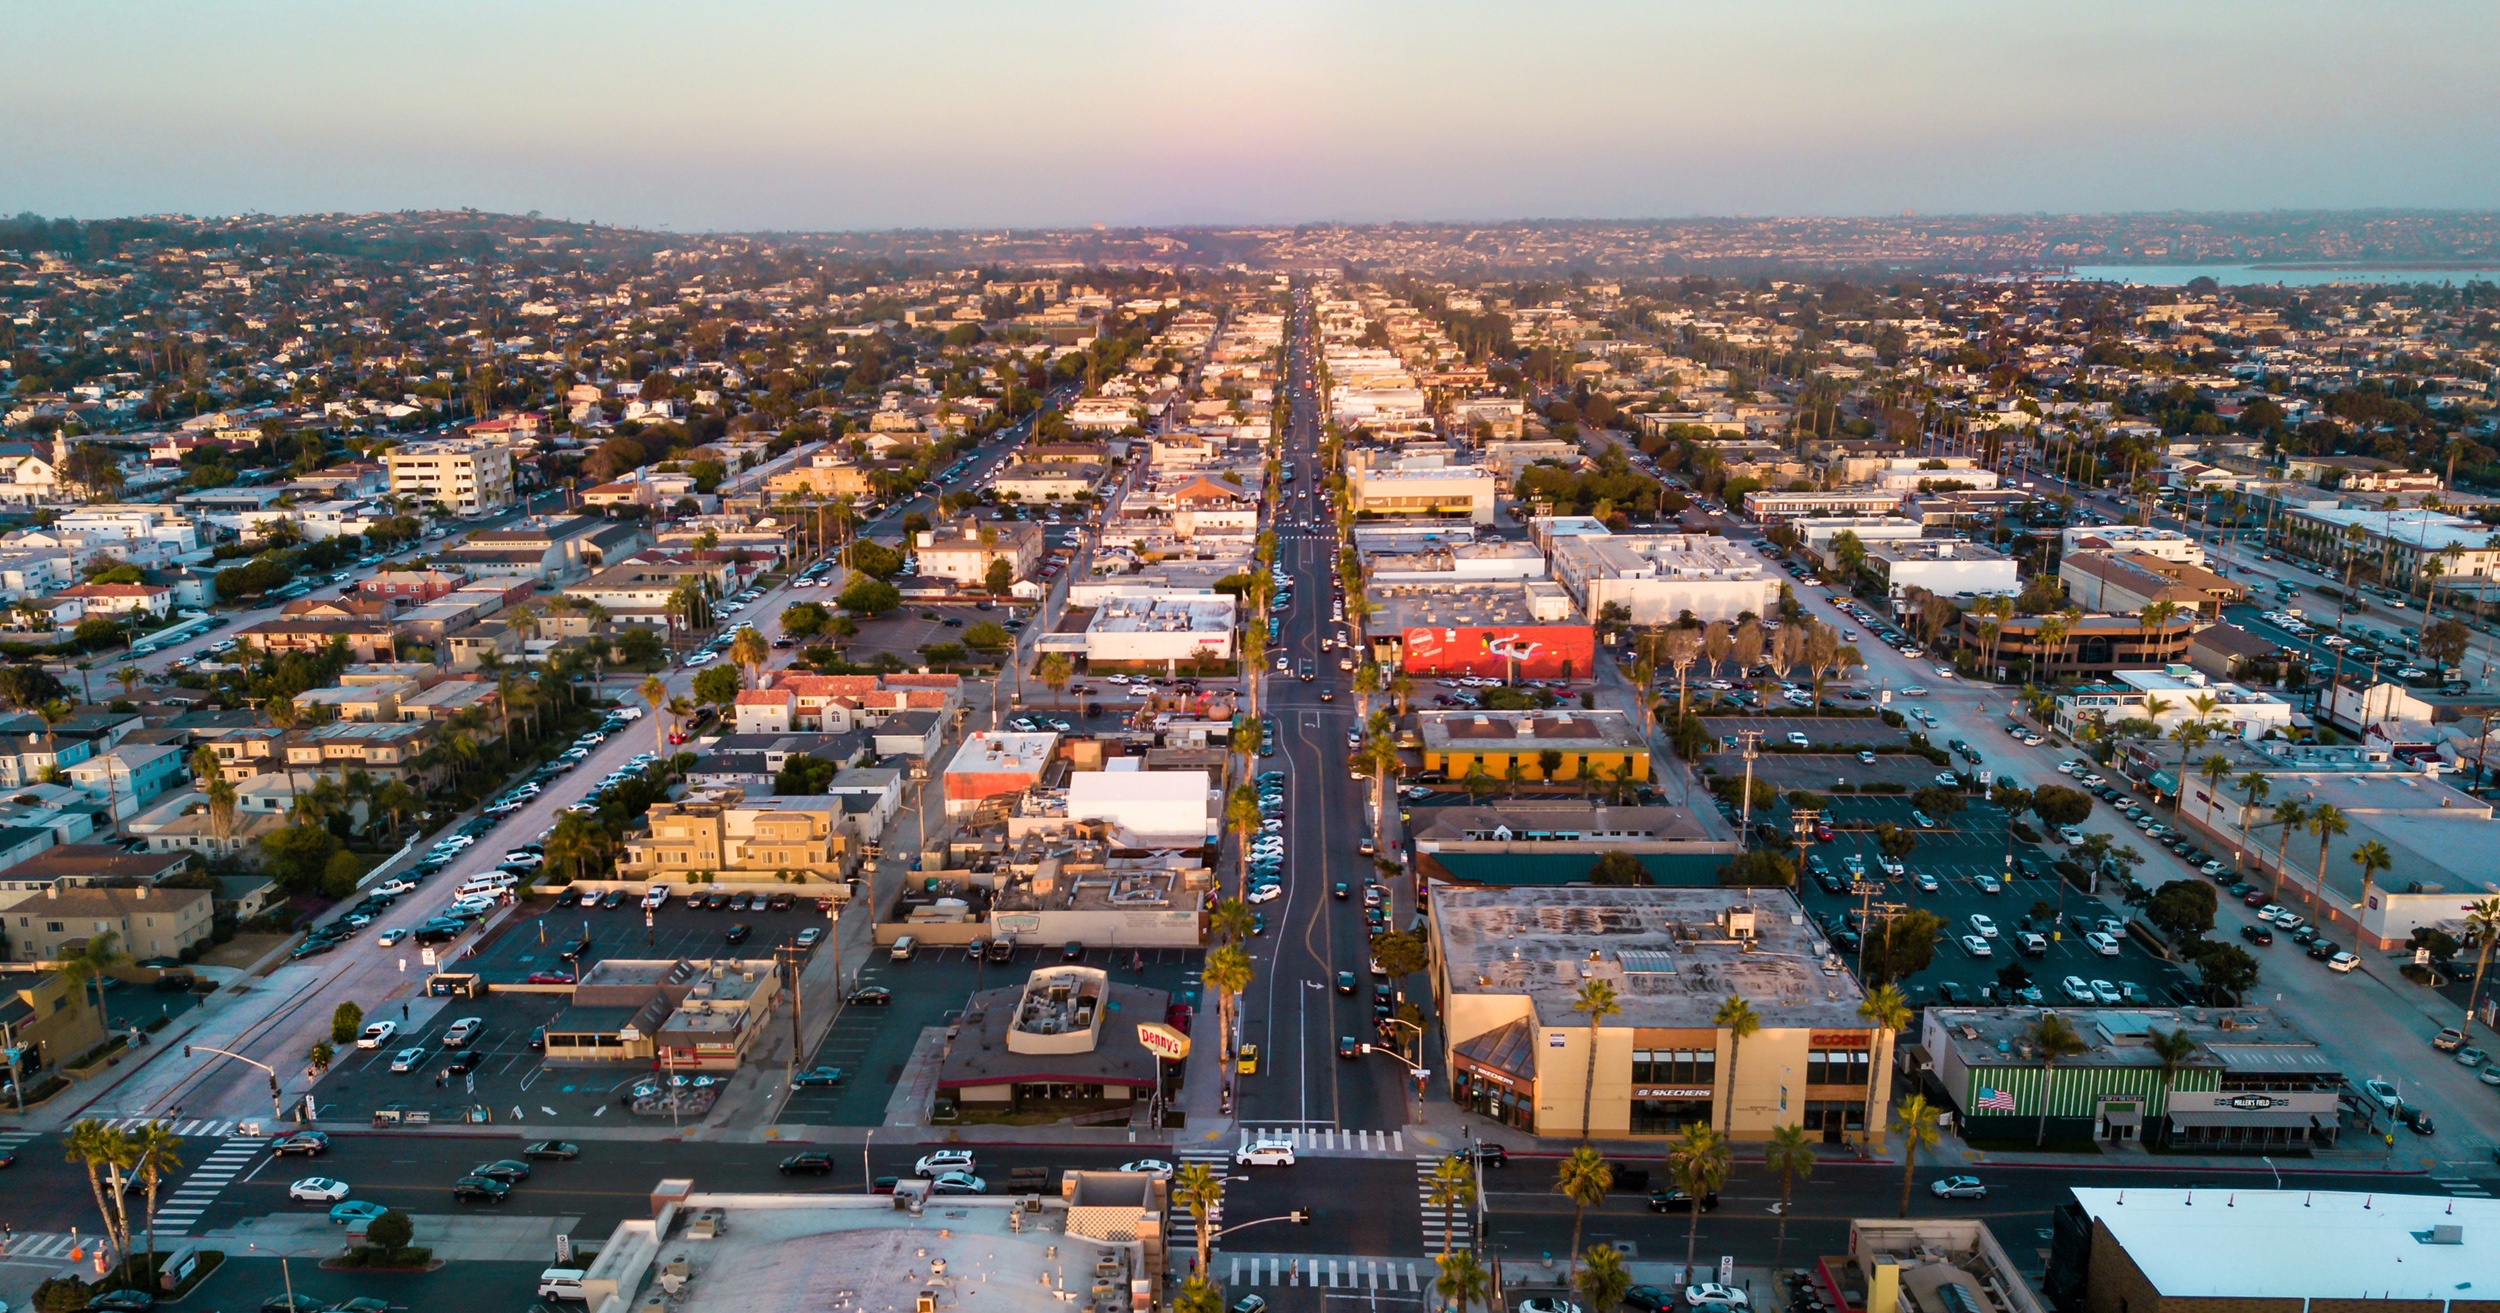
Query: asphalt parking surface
x=510 y=1074
x=1958 y=852
x=535 y=939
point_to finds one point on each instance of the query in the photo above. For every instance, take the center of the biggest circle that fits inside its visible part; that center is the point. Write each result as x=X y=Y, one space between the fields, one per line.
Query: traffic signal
x=186 y=1050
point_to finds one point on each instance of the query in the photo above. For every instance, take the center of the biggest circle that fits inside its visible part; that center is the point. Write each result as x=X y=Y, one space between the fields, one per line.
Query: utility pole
x=1752 y=739
x=1868 y=913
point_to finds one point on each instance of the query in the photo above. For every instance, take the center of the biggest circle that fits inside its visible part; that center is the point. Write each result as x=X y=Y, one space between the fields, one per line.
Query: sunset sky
x=943 y=113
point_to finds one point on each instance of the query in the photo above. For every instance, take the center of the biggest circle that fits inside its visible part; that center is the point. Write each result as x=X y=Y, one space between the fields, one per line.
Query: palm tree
x=679 y=712
x=1792 y=1158
x=1452 y=1189
x=1054 y=670
x=2255 y=788
x=1366 y=683
x=1197 y=1295
x=129 y=677
x=749 y=651
x=2172 y=1048
x=83 y=969
x=2289 y=815
x=1199 y=1189
x=1231 y=920
x=1738 y=1018
x=2372 y=858
x=1886 y=1009
x=2482 y=929
x=155 y=1151
x=1583 y=1178
x=104 y=1151
x=1603 y=1278
x=1597 y=1000
x=1915 y=1120
x=1462 y=1280
x=1681 y=647
x=2215 y=769
x=2326 y=822
x=1380 y=761
x=656 y=693
x=1241 y=810
x=1227 y=972
x=2055 y=1037
x=1699 y=1160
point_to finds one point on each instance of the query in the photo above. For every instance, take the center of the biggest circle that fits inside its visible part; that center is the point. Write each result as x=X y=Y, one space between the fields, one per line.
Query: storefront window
x=1836 y=1066
x=1832 y=1118
x=1669 y=1116
x=1675 y=1067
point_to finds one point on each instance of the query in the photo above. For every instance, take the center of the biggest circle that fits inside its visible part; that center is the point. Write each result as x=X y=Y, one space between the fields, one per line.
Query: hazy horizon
x=780 y=116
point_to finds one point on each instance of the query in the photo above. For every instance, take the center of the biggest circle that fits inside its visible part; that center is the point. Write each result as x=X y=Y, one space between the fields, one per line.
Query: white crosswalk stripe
x=41 y=1245
x=202 y=1128
x=1182 y=1226
x=1325 y=1271
x=2464 y=1187
x=1330 y=1140
x=1443 y=1227
x=176 y=1212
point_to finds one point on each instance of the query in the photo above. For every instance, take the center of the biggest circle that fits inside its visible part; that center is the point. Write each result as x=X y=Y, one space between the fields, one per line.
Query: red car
x=550 y=978
x=1177 y=1017
x=1822 y=833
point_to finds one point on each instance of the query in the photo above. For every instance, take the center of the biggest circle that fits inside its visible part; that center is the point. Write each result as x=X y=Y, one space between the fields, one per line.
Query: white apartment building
x=2168 y=544
x=1660 y=576
x=467 y=476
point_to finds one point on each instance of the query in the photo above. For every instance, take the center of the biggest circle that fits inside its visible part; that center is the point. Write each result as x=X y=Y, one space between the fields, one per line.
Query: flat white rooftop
x=2304 y=1244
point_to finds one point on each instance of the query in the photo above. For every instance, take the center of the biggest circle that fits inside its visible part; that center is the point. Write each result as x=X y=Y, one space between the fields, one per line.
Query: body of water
x=2241 y=275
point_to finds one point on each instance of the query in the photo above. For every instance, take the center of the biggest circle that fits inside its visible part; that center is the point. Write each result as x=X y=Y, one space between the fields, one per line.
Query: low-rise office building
x=1384 y=483
x=2046 y=647
x=1595 y=745
x=1509 y=963
x=2110 y=539
x=1659 y=578
x=1947 y=567
x=963 y=553
x=1160 y=631
x=994 y=764
x=2132 y=1249
x=2168 y=697
x=2127 y=582
x=1064 y=1041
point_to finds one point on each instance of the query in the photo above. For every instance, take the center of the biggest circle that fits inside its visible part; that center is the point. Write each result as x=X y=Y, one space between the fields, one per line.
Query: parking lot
x=1822 y=771
x=907 y=629
x=1959 y=854
x=1820 y=731
x=509 y=1074
x=535 y=940
x=873 y=1045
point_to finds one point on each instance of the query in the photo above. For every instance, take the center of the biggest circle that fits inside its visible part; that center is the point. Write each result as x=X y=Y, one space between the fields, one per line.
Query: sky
x=722 y=115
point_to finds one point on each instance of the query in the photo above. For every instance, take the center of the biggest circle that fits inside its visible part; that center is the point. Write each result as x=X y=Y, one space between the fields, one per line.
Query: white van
x=1264 y=1153
x=485 y=884
x=904 y=947
x=561 y=1283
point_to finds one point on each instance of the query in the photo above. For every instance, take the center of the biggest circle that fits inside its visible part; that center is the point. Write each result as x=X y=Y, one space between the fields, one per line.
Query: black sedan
x=311 y=1144
x=510 y=1171
x=480 y=1190
x=557 y=1150
x=872 y=996
x=738 y=933
x=1674 y=1199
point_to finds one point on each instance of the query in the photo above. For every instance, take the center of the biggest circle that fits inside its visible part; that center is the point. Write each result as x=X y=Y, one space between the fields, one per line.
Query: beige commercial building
x=734 y=838
x=1383 y=483
x=1509 y=963
x=462 y=475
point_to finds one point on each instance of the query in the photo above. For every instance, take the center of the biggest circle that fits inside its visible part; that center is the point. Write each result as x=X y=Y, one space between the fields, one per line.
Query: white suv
x=376 y=1035
x=655 y=898
x=1264 y=1153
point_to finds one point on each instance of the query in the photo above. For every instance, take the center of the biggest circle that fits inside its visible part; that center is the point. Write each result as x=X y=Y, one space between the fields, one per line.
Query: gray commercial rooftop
x=1669 y=953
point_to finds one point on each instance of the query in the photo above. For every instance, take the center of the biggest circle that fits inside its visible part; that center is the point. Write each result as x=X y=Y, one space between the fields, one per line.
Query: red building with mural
x=1524 y=629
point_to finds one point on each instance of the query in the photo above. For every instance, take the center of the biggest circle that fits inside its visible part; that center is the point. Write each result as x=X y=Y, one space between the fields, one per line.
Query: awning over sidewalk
x=2292 y=1118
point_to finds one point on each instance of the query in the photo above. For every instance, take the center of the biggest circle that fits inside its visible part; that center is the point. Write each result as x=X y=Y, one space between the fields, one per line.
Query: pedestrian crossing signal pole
x=277 y=1109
